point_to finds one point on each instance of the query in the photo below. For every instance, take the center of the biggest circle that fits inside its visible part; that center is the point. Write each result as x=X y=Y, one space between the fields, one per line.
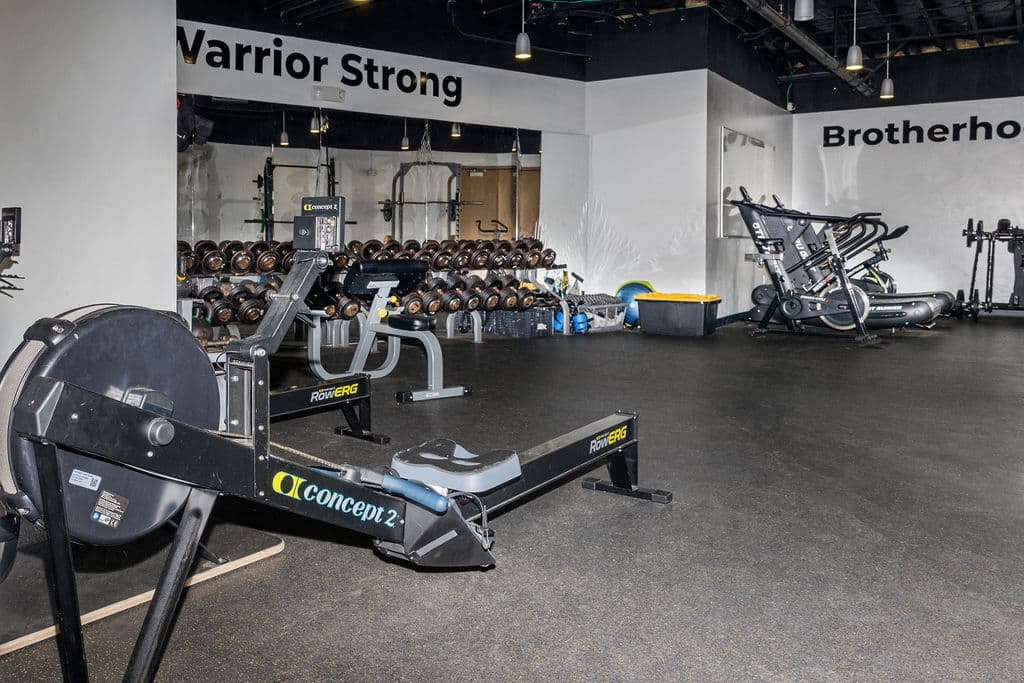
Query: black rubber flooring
x=841 y=512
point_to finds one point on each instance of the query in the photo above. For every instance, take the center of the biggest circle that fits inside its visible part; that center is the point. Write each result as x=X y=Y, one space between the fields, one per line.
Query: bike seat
x=410 y=322
x=444 y=463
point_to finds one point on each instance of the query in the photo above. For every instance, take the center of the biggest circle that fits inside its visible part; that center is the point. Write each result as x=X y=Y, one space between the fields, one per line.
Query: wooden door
x=495 y=189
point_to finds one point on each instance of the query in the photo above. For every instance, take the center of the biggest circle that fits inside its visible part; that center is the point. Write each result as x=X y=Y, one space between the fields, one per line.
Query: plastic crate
x=679 y=315
x=536 y=322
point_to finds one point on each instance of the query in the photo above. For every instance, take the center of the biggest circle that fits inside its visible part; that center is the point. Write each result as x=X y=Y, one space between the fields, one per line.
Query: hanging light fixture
x=284 y=133
x=325 y=123
x=523 y=51
x=405 y=135
x=456 y=131
x=854 y=56
x=888 y=89
x=314 y=124
x=803 y=10
x=515 y=142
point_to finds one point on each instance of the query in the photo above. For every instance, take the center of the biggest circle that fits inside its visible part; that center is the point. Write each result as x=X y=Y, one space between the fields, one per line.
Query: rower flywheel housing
x=143 y=357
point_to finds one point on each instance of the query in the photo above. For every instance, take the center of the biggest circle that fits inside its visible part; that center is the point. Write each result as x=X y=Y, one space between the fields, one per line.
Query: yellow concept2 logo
x=613 y=437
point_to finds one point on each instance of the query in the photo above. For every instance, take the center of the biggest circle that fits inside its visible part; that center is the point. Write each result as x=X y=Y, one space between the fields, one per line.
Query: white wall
x=222 y=175
x=88 y=124
x=564 y=184
x=934 y=187
x=728 y=274
x=645 y=216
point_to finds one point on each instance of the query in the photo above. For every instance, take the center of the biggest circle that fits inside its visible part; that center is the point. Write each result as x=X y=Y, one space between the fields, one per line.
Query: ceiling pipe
x=785 y=27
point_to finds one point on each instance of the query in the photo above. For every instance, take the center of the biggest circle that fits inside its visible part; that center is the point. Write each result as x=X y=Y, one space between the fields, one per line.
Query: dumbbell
x=186 y=256
x=469 y=245
x=218 y=312
x=404 y=255
x=250 y=311
x=348 y=308
x=211 y=293
x=441 y=260
x=437 y=284
x=503 y=245
x=498 y=259
x=516 y=259
x=264 y=292
x=527 y=299
x=461 y=259
x=479 y=259
x=202 y=331
x=355 y=246
x=266 y=259
x=449 y=245
x=412 y=303
x=548 y=258
x=533 y=259
x=240 y=259
x=471 y=299
x=508 y=299
x=340 y=260
x=368 y=249
x=431 y=302
x=208 y=258
x=274 y=282
x=486 y=245
x=411 y=245
x=431 y=246
x=511 y=282
x=240 y=292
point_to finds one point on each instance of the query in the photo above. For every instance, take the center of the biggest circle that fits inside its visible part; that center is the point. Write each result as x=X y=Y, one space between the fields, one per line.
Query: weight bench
x=376 y=282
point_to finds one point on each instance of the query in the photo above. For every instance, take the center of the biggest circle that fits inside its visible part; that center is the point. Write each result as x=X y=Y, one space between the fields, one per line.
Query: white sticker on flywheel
x=85 y=480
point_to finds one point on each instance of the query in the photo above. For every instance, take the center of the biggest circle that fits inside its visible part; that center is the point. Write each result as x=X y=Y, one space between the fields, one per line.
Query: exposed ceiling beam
x=932 y=33
x=921 y=38
x=969 y=5
x=784 y=26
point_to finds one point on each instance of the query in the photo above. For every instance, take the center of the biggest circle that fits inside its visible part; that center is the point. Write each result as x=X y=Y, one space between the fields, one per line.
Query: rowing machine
x=109 y=429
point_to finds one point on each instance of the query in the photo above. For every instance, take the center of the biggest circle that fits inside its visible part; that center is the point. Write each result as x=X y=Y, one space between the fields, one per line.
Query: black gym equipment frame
x=971 y=304
x=786 y=295
x=265 y=183
x=407 y=520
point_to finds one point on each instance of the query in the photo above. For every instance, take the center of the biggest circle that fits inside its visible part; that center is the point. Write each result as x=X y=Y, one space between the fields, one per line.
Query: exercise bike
x=811 y=282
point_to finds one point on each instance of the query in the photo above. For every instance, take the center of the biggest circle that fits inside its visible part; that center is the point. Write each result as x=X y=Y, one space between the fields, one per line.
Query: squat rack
x=265 y=182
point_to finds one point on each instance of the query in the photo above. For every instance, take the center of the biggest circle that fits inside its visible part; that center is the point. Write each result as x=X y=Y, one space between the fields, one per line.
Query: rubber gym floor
x=840 y=512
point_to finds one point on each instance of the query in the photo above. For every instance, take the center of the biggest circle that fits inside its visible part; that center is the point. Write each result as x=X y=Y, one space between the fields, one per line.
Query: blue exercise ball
x=628 y=292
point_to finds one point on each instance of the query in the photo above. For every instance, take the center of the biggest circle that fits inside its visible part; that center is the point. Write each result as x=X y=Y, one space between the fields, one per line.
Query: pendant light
x=803 y=10
x=325 y=123
x=515 y=142
x=523 y=51
x=888 y=90
x=456 y=131
x=284 y=133
x=854 y=56
x=314 y=124
x=405 y=135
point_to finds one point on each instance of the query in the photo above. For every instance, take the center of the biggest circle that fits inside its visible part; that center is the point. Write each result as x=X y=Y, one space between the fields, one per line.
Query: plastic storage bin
x=680 y=315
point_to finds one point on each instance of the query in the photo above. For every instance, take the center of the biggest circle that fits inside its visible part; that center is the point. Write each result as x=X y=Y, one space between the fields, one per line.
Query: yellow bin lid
x=688 y=298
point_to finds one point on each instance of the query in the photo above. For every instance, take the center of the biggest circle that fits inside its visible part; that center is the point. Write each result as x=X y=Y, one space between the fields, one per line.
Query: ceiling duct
x=784 y=26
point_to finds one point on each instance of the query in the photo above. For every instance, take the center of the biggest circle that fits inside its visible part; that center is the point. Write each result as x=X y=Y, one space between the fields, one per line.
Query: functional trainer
x=105 y=436
x=970 y=305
